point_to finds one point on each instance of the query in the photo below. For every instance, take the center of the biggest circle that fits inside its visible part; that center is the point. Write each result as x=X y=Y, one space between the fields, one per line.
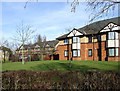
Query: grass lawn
x=59 y=65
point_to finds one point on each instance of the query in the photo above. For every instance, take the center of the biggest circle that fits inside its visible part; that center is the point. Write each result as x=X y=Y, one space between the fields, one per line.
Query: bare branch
x=99 y=8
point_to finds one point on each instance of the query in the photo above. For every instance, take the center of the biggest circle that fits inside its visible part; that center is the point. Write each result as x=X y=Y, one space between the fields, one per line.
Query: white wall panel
x=74 y=32
x=116 y=43
x=76 y=46
x=112 y=26
x=113 y=43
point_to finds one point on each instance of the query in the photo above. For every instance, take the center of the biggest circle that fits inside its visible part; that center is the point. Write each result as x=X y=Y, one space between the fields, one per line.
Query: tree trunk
x=4 y=56
x=23 y=61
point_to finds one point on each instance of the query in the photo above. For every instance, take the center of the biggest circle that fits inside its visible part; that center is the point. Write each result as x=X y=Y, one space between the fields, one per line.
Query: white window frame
x=77 y=39
x=77 y=53
x=115 y=52
x=90 y=52
x=115 y=35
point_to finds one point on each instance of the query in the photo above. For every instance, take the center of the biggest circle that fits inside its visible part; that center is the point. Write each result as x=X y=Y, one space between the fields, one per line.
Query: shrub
x=14 y=58
x=35 y=58
x=47 y=57
x=60 y=80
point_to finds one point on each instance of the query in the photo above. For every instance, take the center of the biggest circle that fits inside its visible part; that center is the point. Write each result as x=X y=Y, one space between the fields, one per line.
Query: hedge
x=61 y=80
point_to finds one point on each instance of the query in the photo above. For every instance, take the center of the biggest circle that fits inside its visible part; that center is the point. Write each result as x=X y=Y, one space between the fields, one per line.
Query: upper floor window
x=99 y=38
x=66 y=41
x=113 y=35
x=76 y=40
x=90 y=38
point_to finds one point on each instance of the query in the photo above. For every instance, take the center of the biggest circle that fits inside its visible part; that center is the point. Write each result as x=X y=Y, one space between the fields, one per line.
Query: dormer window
x=66 y=41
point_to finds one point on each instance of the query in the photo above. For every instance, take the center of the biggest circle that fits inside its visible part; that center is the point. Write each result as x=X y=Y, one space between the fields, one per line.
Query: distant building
x=45 y=49
x=98 y=41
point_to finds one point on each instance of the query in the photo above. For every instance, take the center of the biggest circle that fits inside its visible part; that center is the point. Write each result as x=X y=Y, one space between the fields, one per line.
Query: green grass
x=59 y=65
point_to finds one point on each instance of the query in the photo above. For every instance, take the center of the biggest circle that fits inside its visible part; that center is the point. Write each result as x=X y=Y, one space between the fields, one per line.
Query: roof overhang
x=110 y=27
x=74 y=32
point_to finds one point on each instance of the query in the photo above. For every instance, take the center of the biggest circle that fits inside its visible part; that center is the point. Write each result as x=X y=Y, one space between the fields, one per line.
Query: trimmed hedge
x=60 y=80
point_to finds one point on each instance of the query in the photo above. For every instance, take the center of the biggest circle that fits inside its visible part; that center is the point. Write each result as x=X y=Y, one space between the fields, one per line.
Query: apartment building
x=45 y=49
x=99 y=41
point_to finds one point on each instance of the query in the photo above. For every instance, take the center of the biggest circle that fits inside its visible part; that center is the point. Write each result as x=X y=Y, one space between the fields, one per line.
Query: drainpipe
x=93 y=47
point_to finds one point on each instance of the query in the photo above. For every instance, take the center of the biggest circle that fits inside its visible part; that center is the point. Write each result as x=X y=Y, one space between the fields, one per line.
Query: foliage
x=7 y=49
x=14 y=58
x=47 y=57
x=61 y=80
x=35 y=57
x=60 y=65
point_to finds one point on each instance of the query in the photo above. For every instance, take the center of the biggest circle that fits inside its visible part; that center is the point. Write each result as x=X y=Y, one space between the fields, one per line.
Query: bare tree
x=23 y=34
x=98 y=8
x=43 y=46
x=39 y=39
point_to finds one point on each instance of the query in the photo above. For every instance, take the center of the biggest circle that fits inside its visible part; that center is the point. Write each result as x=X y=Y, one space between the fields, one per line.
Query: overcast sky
x=50 y=18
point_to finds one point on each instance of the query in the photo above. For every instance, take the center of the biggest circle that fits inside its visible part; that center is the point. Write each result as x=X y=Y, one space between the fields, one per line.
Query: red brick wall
x=61 y=50
x=113 y=59
x=103 y=55
x=84 y=52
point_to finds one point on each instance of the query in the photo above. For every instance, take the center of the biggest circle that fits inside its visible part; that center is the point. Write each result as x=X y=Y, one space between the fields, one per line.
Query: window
x=76 y=40
x=76 y=53
x=113 y=35
x=113 y=52
x=99 y=38
x=66 y=53
x=90 y=38
x=90 y=52
x=66 y=41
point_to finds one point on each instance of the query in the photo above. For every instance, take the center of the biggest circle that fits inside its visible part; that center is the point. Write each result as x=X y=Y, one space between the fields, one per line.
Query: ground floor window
x=66 y=53
x=113 y=52
x=76 y=53
x=90 y=52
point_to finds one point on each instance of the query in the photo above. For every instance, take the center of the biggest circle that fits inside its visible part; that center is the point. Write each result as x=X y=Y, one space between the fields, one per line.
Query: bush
x=60 y=80
x=35 y=58
x=47 y=57
x=14 y=58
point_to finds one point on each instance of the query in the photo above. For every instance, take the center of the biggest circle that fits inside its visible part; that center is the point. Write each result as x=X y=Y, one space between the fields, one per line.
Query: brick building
x=99 y=41
x=44 y=48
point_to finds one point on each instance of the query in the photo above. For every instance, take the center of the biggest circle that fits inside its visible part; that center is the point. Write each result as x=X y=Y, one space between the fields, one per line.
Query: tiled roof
x=51 y=44
x=95 y=27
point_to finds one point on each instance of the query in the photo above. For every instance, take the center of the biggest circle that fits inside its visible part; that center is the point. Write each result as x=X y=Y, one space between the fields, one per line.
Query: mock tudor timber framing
x=104 y=48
